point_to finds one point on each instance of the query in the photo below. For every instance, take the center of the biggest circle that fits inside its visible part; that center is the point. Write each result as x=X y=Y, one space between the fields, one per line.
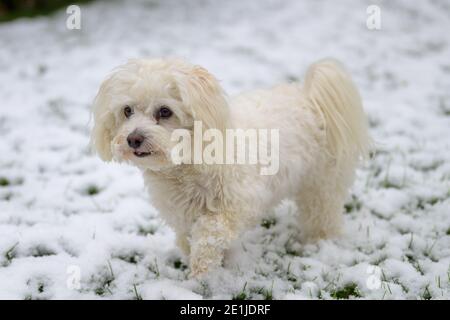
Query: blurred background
x=61 y=206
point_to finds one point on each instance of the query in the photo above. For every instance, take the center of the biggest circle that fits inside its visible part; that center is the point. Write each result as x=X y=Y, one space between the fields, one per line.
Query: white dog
x=322 y=135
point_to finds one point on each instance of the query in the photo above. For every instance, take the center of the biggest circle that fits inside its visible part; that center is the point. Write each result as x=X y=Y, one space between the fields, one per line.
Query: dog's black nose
x=135 y=139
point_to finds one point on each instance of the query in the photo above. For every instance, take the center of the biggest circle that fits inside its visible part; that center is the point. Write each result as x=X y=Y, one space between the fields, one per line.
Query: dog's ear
x=202 y=94
x=104 y=123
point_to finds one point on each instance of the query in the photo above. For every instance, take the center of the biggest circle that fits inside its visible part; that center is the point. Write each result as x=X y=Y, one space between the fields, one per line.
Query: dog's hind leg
x=321 y=200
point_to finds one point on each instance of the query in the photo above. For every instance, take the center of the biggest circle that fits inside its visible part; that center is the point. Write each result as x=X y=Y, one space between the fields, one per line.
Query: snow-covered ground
x=63 y=212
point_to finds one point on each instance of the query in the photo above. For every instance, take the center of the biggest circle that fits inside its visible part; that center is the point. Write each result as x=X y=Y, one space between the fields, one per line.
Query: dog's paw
x=198 y=270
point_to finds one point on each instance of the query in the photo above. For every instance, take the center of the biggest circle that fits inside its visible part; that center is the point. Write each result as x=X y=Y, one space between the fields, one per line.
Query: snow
x=61 y=207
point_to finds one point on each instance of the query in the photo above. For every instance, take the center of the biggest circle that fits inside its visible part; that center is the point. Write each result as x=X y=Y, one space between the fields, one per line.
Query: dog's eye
x=128 y=111
x=164 y=112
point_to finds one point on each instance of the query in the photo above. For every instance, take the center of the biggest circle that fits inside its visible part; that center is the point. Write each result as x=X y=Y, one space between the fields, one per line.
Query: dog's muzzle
x=135 y=141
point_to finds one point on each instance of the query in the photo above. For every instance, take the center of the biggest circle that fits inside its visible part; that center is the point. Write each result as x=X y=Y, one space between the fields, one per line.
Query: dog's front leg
x=210 y=236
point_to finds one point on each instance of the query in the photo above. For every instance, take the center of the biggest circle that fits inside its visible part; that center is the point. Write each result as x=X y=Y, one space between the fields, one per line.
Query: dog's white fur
x=323 y=134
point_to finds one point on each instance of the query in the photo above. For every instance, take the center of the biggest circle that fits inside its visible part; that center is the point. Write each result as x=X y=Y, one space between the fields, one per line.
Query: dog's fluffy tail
x=331 y=91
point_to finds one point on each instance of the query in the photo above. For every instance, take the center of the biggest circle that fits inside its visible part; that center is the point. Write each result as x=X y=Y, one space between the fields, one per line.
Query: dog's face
x=139 y=106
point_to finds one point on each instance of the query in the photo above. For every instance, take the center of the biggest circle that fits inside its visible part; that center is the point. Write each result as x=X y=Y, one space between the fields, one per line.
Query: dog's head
x=139 y=106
